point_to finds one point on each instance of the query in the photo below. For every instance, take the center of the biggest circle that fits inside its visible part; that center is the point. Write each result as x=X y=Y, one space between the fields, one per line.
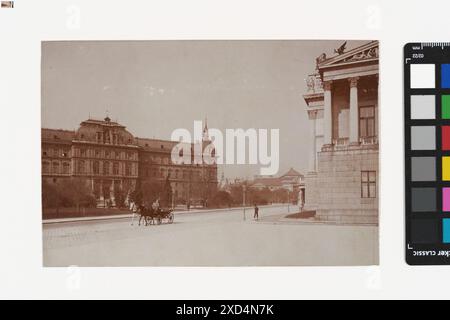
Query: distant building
x=292 y=181
x=342 y=105
x=108 y=156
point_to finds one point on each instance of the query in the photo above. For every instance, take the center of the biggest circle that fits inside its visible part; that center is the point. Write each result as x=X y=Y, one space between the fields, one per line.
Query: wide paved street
x=220 y=238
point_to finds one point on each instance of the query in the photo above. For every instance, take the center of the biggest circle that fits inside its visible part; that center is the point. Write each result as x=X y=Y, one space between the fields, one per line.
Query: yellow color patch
x=446 y=168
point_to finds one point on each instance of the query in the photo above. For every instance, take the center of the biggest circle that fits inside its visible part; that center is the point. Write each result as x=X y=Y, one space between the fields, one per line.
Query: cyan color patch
x=446 y=230
x=445 y=76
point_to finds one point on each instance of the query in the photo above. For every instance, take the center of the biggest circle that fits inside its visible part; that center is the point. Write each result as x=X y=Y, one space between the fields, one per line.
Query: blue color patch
x=445 y=76
x=446 y=230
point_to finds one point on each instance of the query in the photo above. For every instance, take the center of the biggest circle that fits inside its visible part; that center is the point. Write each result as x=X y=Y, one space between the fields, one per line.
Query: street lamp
x=244 y=189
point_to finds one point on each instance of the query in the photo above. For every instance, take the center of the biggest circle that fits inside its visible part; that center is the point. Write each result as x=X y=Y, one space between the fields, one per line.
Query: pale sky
x=155 y=87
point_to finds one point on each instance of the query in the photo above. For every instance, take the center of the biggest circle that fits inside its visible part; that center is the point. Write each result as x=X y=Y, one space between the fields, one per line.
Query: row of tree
x=235 y=196
x=67 y=193
x=75 y=192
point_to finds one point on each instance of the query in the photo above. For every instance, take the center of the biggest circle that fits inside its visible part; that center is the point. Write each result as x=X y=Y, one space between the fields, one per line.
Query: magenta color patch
x=446 y=199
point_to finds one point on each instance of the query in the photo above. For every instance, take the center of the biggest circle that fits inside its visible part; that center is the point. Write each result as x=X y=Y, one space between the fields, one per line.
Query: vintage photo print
x=210 y=153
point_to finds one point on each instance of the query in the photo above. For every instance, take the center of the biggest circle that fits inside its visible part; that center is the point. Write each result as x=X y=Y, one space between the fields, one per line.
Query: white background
x=394 y=23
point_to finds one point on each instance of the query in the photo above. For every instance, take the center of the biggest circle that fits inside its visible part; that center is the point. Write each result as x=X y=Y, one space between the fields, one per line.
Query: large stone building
x=292 y=181
x=342 y=106
x=108 y=156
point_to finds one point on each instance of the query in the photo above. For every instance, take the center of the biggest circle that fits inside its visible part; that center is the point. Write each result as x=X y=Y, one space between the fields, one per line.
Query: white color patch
x=423 y=76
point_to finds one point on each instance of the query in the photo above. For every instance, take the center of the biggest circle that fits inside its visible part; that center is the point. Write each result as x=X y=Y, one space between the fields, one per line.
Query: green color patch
x=446 y=107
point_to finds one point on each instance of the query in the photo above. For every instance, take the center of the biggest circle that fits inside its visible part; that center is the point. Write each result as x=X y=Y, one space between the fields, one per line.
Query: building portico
x=342 y=106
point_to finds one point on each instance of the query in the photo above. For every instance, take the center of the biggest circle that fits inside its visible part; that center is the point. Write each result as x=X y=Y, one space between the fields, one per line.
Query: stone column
x=354 y=113
x=312 y=137
x=327 y=113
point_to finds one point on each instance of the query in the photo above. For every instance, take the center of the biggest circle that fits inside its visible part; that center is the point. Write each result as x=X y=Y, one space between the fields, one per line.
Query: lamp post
x=244 y=189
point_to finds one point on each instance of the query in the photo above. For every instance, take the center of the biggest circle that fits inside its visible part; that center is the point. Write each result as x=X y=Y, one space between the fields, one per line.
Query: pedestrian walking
x=256 y=215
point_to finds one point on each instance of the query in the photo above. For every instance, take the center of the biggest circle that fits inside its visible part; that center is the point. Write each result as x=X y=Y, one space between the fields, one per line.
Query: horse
x=146 y=213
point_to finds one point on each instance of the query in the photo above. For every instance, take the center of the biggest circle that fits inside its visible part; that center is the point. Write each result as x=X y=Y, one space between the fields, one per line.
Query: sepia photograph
x=201 y=153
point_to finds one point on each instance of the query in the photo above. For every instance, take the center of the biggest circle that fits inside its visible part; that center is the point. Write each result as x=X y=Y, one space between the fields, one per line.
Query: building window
x=116 y=168
x=128 y=169
x=55 y=152
x=107 y=138
x=97 y=153
x=44 y=153
x=367 y=122
x=56 y=167
x=107 y=154
x=65 y=153
x=106 y=168
x=96 y=167
x=368 y=184
x=81 y=166
x=83 y=152
x=66 y=168
x=99 y=137
x=45 y=167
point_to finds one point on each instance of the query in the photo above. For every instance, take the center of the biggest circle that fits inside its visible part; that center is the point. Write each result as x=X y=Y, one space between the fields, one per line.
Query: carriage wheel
x=171 y=218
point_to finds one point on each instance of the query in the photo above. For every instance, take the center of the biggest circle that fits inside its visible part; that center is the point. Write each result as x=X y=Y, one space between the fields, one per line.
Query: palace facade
x=342 y=106
x=107 y=156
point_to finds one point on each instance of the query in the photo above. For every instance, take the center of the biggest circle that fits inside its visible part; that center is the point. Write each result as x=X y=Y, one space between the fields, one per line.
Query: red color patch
x=445 y=137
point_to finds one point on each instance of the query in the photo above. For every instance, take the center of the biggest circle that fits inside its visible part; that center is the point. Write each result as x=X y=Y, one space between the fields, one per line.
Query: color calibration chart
x=427 y=153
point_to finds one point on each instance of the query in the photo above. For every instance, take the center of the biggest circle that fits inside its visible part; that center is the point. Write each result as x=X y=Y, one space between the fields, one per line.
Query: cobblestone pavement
x=220 y=238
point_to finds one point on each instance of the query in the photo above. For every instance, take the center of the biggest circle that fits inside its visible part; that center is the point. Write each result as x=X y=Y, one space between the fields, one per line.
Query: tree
x=72 y=192
x=75 y=192
x=166 y=195
x=150 y=191
x=221 y=198
x=119 y=197
x=50 y=195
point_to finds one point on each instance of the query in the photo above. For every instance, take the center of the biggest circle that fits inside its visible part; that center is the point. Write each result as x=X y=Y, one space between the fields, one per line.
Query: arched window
x=128 y=169
x=106 y=168
x=116 y=168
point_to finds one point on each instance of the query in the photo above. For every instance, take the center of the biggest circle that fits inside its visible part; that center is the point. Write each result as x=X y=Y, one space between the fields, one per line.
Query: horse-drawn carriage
x=155 y=216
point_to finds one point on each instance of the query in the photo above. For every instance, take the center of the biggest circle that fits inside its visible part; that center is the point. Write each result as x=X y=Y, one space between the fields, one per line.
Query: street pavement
x=214 y=238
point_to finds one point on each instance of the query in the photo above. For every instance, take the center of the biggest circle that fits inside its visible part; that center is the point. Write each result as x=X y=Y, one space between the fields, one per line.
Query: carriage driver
x=155 y=206
x=134 y=210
